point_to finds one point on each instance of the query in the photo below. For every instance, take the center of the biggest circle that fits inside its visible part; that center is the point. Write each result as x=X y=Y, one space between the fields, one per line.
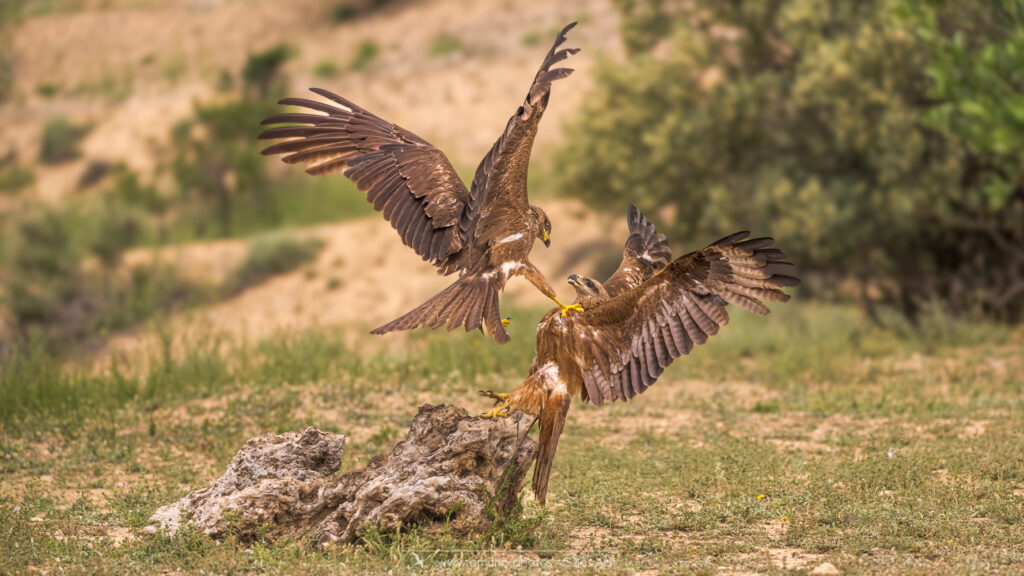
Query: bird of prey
x=484 y=233
x=635 y=324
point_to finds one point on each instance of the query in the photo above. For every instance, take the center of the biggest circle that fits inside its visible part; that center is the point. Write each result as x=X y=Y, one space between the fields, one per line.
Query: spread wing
x=645 y=253
x=412 y=183
x=498 y=192
x=628 y=341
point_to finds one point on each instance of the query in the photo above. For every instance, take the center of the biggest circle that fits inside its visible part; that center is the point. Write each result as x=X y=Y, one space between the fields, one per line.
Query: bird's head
x=543 y=225
x=588 y=291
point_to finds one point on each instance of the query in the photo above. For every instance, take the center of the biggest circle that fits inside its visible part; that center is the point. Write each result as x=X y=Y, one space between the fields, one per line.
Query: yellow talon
x=506 y=321
x=500 y=411
x=571 y=308
x=499 y=397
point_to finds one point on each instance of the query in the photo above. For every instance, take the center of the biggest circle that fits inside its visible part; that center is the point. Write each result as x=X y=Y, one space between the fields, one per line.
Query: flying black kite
x=484 y=234
x=650 y=312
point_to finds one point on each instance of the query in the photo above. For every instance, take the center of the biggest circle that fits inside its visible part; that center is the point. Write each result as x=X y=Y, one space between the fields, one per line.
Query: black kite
x=650 y=312
x=484 y=234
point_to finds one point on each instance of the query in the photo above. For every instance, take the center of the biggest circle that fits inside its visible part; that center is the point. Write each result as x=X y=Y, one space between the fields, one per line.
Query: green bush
x=877 y=140
x=60 y=140
x=366 y=53
x=326 y=69
x=264 y=68
x=15 y=178
x=270 y=256
x=44 y=270
x=343 y=12
x=445 y=44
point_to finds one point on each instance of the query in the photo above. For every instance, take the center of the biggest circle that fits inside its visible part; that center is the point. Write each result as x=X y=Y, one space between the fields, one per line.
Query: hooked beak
x=547 y=240
x=574 y=280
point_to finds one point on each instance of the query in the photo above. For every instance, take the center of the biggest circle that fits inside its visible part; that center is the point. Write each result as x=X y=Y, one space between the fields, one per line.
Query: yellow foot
x=499 y=411
x=571 y=308
x=506 y=321
x=499 y=397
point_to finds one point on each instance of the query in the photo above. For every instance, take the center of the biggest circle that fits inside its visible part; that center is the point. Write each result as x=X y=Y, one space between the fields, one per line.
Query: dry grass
x=784 y=444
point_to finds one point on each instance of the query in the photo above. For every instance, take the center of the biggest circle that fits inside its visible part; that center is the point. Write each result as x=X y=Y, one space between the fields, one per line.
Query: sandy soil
x=134 y=69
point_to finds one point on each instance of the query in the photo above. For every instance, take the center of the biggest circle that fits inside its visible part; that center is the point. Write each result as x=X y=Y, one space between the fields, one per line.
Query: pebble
x=149 y=530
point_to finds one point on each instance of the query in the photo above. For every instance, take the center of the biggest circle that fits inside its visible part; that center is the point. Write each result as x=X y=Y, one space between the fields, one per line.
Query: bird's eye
x=547 y=226
x=590 y=284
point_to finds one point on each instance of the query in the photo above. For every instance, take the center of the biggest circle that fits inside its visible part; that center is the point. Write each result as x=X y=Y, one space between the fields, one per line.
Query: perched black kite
x=650 y=312
x=484 y=233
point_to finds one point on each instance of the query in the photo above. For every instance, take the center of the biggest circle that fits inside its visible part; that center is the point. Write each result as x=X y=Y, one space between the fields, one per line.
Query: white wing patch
x=510 y=238
x=508 y=268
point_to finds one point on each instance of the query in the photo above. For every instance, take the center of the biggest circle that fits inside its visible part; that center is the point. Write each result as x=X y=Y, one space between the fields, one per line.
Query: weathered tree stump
x=450 y=468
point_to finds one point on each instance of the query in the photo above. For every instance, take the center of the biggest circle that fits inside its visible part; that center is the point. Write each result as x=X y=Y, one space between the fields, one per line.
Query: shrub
x=877 y=140
x=263 y=68
x=445 y=44
x=60 y=140
x=15 y=178
x=44 y=270
x=47 y=90
x=343 y=12
x=270 y=256
x=326 y=69
x=365 y=55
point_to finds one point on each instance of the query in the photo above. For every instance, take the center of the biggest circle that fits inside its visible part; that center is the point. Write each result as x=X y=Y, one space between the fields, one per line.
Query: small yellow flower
x=761 y=496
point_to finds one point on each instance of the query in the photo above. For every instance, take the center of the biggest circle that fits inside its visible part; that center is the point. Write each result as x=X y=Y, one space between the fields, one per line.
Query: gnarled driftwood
x=450 y=467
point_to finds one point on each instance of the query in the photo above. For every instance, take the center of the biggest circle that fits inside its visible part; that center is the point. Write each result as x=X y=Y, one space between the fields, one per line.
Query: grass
x=787 y=441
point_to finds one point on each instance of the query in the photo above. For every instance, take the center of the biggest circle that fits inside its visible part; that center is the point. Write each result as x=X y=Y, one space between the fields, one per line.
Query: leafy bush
x=326 y=69
x=60 y=140
x=878 y=140
x=343 y=12
x=6 y=70
x=445 y=44
x=263 y=68
x=365 y=55
x=44 y=270
x=270 y=256
x=47 y=90
x=15 y=177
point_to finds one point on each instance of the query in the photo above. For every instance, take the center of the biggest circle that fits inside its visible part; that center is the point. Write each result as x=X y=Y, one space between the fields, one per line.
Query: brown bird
x=634 y=325
x=484 y=234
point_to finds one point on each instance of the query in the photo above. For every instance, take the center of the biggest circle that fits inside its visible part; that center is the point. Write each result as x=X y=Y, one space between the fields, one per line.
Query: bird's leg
x=500 y=411
x=499 y=397
x=531 y=273
x=502 y=407
x=566 y=308
x=506 y=321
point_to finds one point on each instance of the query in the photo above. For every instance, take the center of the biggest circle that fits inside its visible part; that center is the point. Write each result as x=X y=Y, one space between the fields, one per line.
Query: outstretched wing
x=628 y=341
x=412 y=183
x=498 y=192
x=645 y=253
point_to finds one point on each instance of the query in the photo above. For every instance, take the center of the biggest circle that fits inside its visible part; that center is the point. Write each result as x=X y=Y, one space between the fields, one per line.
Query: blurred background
x=878 y=141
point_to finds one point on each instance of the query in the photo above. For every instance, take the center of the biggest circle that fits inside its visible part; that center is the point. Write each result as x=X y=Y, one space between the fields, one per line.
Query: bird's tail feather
x=471 y=301
x=552 y=420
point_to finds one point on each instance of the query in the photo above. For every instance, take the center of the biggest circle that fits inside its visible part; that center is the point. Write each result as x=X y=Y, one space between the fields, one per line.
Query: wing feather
x=645 y=253
x=406 y=178
x=649 y=325
x=498 y=192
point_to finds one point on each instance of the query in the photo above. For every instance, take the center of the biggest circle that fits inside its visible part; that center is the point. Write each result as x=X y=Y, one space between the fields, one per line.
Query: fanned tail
x=472 y=301
x=552 y=420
